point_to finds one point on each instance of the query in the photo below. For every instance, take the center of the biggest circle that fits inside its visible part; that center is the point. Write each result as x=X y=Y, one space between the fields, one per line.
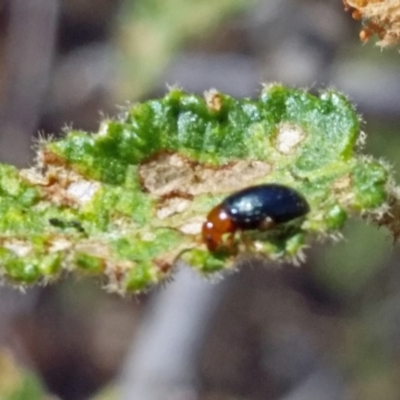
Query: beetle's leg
x=230 y=243
x=266 y=224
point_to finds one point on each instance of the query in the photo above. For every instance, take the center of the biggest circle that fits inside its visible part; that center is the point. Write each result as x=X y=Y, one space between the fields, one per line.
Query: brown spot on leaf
x=162 y=264
x=288 y=138
x=213 y=100
x=340 y=188
x=172 y=206
x=60 y=186
x=46 y=157
x=342 y=183
x=171 y=173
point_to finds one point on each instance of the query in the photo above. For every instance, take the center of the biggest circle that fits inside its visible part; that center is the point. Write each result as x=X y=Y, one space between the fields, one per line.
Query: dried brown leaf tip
x=380 y=17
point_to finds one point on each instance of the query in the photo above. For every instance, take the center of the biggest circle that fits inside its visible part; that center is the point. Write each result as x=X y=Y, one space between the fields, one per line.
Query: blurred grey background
x=327 y=330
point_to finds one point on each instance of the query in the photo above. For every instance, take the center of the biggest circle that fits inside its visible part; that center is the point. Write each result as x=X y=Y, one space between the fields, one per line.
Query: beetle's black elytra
x=255 y=207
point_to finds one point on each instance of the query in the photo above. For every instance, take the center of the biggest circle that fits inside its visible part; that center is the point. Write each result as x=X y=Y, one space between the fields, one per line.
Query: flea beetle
x=257 y=207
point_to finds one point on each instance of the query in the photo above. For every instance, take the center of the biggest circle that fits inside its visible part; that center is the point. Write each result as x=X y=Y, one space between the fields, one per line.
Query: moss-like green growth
x=128 y=202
